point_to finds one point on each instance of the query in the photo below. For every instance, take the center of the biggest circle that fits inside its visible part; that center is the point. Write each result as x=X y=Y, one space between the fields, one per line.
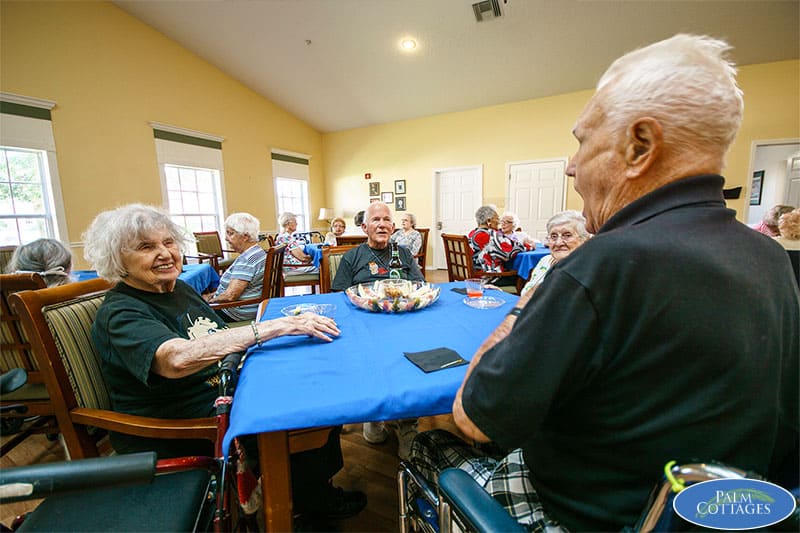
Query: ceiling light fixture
x=408 y=44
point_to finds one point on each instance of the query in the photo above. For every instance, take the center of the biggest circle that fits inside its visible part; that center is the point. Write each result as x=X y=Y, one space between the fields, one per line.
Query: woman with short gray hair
x=296 y=261
x=407 y=235
x=47 y=257
x=565 y=232
x=245 y=277
x=509 y=227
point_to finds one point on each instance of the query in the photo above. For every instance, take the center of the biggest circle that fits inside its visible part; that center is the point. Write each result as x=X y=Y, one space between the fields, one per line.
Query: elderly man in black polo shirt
x=673 y=334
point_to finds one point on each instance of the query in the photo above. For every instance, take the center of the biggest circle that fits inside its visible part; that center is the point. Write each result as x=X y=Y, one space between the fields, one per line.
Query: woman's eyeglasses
x=566 y=237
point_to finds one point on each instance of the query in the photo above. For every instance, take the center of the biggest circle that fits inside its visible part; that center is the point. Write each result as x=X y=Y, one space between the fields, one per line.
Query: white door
x=793 y=183
x=536 y=192
x=458 y=193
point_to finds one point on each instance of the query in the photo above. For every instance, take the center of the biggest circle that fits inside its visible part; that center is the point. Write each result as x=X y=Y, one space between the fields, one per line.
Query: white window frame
x=182 y=154
x=36 y=134
x=296 y=170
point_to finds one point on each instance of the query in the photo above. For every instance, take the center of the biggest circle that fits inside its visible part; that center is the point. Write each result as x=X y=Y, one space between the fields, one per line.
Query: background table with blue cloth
x=524 y=262
x=201 y=277
x=315 y=251
x=302 y=382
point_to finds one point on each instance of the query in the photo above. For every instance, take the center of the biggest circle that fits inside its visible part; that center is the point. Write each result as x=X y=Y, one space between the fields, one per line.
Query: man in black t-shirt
x=370 y=261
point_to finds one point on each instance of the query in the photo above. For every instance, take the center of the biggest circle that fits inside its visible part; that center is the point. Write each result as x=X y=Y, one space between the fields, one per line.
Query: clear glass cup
x=474 y=287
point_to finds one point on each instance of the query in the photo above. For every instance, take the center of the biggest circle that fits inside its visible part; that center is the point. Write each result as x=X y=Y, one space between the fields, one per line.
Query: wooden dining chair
x=458 y=255
x=350 y=240
x=423 y=251
x=16 y=352
x=6 y=252
x=209 y=244
x=272 y=284
x=59 y=321
x=329 y=264
x=311 y=279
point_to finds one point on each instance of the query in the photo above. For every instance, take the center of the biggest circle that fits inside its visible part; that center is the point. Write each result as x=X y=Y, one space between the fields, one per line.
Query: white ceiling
x=336 y=64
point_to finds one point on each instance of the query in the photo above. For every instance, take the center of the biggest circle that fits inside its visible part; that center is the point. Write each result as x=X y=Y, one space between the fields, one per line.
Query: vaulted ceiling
x=337 y=64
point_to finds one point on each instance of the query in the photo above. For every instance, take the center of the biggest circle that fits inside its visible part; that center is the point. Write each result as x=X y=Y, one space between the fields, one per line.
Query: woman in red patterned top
x=491 y=250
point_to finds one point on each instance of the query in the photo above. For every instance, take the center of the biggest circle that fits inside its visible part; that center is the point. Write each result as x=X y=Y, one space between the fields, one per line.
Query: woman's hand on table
x=309 y=324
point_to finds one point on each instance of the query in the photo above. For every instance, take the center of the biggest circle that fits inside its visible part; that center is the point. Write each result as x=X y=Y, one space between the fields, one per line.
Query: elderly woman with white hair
x=47 y=257
x=295 y=260
x=565 y=232
x=407 y=235
x=245 y=277
x=159 y=342
x=509 y=227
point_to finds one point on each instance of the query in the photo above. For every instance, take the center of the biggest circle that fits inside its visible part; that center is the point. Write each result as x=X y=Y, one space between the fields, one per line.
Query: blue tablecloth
x=300 y=382
x=526 y=261
x=201 y=276
x=315 y=251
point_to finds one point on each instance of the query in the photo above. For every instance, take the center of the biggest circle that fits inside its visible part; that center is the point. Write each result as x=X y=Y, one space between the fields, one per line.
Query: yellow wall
x=111 y=75
x=528 y=130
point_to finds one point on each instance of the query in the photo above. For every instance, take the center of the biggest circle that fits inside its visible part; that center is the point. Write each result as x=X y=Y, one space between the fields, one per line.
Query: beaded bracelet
x=255 y=333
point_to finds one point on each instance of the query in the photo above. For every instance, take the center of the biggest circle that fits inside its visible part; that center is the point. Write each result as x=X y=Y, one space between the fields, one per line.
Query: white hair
x=285 y=218
x=573 y=218
x=244 y=224
x=113 y=232
x=513 y=216
x=685 y=82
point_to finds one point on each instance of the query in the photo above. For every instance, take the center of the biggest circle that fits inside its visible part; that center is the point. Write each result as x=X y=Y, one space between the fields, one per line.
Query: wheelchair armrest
x=473 y=504
x=37 y=481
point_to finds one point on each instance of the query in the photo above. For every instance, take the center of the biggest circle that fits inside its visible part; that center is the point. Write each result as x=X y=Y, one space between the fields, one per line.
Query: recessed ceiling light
x=408 y=44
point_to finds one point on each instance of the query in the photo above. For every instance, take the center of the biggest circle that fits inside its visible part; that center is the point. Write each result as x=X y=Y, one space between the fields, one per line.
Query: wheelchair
x=133 y=492
x=461 y=504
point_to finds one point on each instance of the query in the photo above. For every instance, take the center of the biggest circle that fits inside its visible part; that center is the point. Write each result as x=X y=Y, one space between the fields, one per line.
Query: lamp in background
x=325 y=213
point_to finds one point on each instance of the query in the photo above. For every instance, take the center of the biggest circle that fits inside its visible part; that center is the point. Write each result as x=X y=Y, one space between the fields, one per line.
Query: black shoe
x=340 y=504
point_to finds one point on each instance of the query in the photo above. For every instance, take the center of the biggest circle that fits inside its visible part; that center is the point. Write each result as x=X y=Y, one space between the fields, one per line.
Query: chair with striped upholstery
x=329 y=264
x=59 y=321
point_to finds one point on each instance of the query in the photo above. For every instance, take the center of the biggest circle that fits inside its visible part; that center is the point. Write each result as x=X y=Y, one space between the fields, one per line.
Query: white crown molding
x=290 y=154
x=27 y=100
x=184 y=131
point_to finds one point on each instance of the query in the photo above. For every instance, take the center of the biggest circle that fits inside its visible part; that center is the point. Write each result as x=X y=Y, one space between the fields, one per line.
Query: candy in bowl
x=393 y=296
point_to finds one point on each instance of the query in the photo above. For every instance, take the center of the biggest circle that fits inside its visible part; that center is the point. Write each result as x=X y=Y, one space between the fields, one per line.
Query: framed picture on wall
x=756 y=187
x=400 y=186
x=374 y=188
x=387 y=198
x=399 y=203
x=373 y=200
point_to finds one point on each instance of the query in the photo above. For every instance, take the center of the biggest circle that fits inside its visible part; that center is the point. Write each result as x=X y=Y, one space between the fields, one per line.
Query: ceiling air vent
x=488 y=9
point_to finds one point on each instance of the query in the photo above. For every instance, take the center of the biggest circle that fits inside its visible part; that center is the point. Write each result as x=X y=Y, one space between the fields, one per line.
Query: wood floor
x=370 y=468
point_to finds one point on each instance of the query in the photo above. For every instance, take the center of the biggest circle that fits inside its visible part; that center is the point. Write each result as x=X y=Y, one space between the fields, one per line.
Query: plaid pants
x=504 y=478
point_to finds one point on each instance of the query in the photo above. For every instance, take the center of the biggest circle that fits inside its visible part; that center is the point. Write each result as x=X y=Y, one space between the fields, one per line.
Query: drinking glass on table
x=474 y=287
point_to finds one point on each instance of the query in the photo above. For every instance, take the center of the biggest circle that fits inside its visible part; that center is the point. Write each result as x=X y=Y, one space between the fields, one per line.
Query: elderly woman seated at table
x=295 y=260
x=159 y=342
x=245 y=277
x=338 y=227
x=408 y=235
x=491 y=250
x=509 y=227
x=565 y=232
x=46 y=257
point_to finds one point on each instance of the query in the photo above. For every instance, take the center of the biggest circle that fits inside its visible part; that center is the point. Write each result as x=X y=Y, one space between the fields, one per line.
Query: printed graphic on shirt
x=201 y=327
